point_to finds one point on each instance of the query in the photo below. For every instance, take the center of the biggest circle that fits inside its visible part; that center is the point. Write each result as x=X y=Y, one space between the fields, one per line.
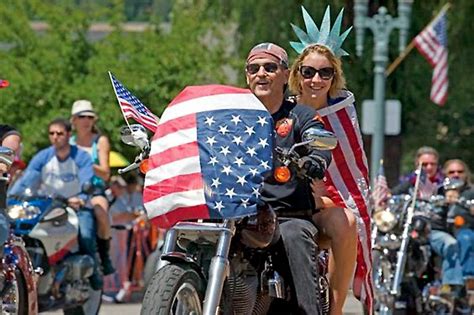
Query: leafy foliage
x=206 y=42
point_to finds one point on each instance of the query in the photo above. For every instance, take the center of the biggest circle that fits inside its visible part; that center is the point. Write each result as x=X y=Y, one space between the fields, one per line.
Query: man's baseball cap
x=83 y=108
x=269 y=50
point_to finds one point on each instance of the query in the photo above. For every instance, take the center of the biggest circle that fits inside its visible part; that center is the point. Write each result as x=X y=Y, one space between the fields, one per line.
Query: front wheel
x=15 y=298
x=174 y=289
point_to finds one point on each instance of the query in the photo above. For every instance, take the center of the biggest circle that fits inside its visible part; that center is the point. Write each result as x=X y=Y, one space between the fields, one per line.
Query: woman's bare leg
x=340 y=226
x=101 y=207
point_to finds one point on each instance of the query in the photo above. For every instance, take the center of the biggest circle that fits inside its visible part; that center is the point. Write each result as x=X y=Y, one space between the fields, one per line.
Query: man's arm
x=31 y=177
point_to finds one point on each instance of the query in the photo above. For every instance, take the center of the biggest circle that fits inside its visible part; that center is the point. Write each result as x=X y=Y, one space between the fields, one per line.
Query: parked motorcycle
x=406 y=275
x=50 y=230
x=225 y=266
x=17 y=278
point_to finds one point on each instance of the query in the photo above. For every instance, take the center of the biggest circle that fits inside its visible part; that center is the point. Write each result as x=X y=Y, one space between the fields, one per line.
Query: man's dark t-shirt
x=291 y=121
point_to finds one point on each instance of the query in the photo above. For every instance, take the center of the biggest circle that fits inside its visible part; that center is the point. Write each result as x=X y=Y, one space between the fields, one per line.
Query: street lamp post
x=381 y=25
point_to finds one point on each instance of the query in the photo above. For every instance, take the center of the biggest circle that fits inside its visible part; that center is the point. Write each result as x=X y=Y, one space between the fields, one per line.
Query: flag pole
x=115 y=91
x=410 y=46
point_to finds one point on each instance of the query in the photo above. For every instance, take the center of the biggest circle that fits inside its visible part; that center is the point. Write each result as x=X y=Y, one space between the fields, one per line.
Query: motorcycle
x=17 y=277
x=406 y=274
x=50 y=230
x=225 y=266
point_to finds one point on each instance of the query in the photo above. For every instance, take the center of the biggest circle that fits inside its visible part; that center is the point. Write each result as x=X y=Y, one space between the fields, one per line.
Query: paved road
x=352 y=307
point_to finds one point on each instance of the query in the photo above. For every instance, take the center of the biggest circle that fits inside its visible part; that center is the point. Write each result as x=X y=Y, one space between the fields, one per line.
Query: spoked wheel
x=174 y=289
x=14 y=301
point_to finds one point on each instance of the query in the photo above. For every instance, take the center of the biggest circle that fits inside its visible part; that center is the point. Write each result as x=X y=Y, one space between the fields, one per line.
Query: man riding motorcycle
x=441 y=242
x=63 y=169
x=267 y=77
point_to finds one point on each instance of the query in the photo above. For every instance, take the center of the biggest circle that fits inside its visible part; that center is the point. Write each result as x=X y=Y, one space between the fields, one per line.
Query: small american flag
x=132 y=107
x=209 y=155
x=432 y=43
x=381 y=191
x=426 y=188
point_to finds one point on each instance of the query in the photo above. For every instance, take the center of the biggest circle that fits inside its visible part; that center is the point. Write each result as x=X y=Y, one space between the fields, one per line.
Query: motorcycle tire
x=91 y=307
x=150 y=266
x=21 y=296
x=175 y=289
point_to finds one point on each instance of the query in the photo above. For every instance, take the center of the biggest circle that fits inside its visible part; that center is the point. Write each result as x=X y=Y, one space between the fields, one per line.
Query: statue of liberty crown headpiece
x=331 y=38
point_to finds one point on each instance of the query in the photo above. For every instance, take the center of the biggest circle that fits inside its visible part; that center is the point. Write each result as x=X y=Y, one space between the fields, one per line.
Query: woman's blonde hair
x=338 y=81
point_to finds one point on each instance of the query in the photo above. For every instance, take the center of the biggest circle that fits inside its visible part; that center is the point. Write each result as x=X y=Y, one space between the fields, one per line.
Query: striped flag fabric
x=380 y=192
x=426 y=188
x=347 y=183
x=209 y=155
x=132 y=107
x=432 y=43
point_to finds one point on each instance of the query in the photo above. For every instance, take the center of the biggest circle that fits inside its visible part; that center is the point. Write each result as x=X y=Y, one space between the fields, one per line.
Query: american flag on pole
x=432 y=43
x=426 y=188
x=132 y=107
x=381 y=192
x=347 y=182
x=208 y=157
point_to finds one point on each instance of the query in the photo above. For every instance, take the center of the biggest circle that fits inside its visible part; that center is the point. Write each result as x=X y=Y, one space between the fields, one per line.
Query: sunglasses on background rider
x=309 y=72
x=269 y=67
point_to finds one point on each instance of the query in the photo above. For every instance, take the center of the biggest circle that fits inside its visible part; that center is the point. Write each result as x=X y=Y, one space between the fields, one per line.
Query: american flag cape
x=347 y=182
x=209 y=155
x=131 y=106
x=432 y=43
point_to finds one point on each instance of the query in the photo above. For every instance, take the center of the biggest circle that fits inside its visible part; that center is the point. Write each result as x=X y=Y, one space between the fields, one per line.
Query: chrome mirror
x=134 y=135
x=453 y=183
x=6 y=156
x=320 y=139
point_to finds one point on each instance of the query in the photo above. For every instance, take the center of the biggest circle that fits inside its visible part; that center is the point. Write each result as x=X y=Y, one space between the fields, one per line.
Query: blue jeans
x=88 y=243
x=299 y=241
x=465 y=239
x=446 y=246
x=4 y=229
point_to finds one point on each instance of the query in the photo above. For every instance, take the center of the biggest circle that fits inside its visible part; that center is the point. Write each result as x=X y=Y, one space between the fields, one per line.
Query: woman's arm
x=103 y=169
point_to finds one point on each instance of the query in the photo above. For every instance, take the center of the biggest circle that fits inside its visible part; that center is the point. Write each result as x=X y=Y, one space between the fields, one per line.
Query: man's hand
x=313 y=168
x=76 y=203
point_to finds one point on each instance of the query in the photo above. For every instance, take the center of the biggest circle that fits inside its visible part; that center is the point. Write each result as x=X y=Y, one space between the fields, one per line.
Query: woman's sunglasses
x=269 y=67
x=309 y=72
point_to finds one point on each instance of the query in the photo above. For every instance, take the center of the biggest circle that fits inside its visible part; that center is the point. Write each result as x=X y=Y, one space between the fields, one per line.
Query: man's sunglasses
x=269 y=67
x=309 y=72
x=84 y=116
x=456 y=172
x=59 y=133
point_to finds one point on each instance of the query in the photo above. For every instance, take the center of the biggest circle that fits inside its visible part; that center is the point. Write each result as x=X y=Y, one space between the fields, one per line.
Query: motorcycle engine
x=79 y=267
x=261 y=230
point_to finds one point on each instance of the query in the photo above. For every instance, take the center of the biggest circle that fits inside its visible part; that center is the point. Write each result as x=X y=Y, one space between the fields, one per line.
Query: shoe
x=103 y=247
x=123 y=293
x=461 y=306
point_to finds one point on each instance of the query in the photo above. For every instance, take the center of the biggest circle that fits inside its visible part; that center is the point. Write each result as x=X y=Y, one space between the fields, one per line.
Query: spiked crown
x=326 y=36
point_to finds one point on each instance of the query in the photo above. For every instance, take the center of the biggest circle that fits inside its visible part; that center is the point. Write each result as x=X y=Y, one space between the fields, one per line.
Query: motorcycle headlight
x=385 y=220
x=22 y=212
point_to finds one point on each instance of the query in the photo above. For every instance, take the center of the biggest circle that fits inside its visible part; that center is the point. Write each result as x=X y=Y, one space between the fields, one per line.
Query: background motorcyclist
x=9 y=138
x=441 y=242
x=267 y=76
x=457 y=169
x=63 y=169
x=88 y=138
